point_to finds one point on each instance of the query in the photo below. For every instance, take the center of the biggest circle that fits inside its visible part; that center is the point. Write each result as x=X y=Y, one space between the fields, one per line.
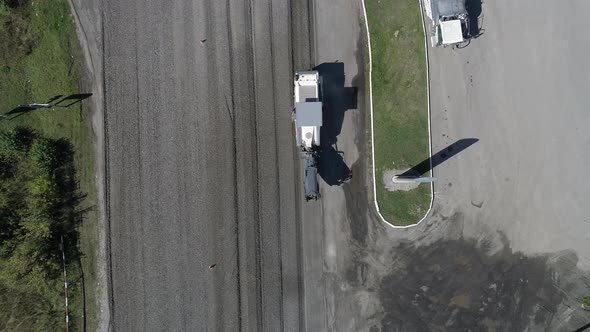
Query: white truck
x=307 y=117
x=450 y=21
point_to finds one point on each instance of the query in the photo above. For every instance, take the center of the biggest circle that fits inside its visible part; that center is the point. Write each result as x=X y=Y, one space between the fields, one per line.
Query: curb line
x=372 y=120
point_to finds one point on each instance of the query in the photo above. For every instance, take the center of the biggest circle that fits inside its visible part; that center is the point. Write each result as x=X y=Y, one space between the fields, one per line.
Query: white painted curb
x=372 y=121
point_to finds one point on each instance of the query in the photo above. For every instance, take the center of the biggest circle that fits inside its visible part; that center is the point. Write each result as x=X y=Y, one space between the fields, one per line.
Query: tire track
x=232 y=118
x=255 y=94
x=302 y=57
x=268 y=186
x=276 y=170
x=256 y=186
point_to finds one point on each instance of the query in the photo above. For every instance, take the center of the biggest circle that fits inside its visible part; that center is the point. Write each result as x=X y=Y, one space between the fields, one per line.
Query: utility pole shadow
x=14 y=113
x=24 y=109
x=77 y=98
x=439 y=157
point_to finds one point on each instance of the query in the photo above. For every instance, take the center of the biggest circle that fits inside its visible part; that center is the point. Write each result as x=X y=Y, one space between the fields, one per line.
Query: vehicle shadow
x=439 y=157
x=474 y=9
x=336 y=99
x=332 y=167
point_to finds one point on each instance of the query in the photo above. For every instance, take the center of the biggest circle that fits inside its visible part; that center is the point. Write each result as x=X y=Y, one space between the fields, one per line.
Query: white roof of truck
x=306 y=86
x=451 y=32
x=307 y=77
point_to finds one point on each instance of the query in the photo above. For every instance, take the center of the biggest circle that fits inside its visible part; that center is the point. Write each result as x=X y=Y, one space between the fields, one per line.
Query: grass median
x=399 y=103
x=39 y=59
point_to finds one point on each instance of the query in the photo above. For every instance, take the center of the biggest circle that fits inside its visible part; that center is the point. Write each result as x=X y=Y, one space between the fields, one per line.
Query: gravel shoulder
x=88 y=20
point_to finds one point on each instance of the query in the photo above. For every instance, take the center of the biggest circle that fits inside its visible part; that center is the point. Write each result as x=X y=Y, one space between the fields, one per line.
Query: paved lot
x=201 y=194
x=521 y=90
x=505 y=247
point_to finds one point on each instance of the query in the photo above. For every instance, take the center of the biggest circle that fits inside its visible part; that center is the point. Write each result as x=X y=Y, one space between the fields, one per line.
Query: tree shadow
x=439 y=157
x=336 y=99
x=15 y=3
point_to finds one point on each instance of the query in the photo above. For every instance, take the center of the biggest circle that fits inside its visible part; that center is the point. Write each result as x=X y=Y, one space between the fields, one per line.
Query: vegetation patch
x=39 y=59
x=586 y=300
x=399 y=103
x=39 y=204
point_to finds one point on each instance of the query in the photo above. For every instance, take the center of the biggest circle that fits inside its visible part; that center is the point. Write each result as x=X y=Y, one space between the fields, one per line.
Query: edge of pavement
x=385 y=221
x=88 y=21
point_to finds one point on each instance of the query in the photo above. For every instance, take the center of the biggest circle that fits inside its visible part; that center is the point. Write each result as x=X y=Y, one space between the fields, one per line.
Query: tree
x=38 y=206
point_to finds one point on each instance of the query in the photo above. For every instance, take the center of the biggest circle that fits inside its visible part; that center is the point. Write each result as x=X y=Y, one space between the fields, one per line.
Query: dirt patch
x=461 y=285
x=463 y=301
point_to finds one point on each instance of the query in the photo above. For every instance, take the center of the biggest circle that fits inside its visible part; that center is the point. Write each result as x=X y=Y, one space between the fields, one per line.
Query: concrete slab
x=525 y=99
x=505 y=246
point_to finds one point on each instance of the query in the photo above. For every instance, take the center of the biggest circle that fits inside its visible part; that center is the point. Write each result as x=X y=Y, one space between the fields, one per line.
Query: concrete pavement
x=505 y=245
x=519 y=89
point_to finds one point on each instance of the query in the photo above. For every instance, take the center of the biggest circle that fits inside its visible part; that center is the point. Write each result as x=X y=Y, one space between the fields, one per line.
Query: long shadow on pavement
x=439 y=157
x=474 y=9
x=75 y=98
x=337 y=99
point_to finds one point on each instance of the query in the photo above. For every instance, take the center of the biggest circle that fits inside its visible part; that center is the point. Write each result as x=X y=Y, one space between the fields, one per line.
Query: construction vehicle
x=307 y=117
x=450 y=22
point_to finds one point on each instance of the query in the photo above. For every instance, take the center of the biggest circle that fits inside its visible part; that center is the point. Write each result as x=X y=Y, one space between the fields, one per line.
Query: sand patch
x=391 y=186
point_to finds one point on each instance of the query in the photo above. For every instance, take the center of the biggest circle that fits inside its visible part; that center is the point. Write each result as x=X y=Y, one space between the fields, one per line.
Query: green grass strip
x=39 y=59
x=399 y=103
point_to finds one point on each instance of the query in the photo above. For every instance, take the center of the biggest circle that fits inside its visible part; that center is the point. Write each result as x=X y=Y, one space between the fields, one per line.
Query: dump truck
x=307 y=118
x=450 y=22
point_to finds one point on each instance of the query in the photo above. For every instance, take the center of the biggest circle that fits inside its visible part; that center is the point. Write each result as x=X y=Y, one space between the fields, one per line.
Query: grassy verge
x=586 y=300
x=39 y=59
x=399 y=103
